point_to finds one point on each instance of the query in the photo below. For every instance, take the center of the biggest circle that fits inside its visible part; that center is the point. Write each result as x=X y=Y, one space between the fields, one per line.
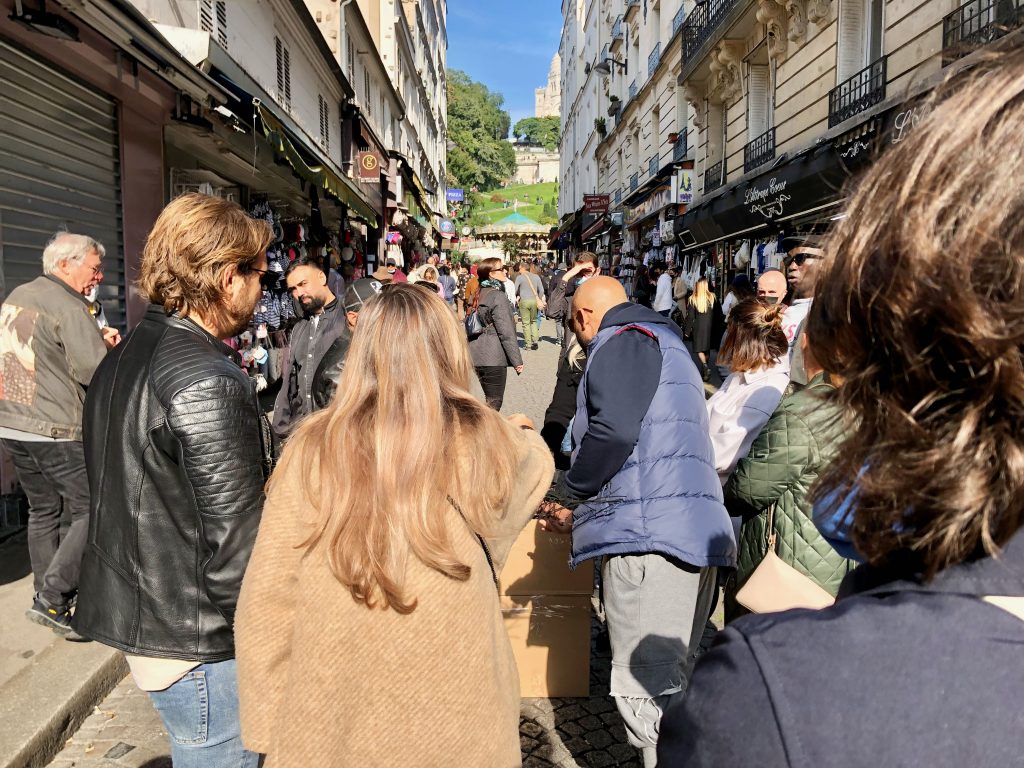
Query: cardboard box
x=550 y=636
x=538 y=564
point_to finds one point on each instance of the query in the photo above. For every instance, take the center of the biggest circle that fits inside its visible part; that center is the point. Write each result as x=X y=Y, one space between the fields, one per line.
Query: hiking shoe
x=56 y=617
x=534 y=345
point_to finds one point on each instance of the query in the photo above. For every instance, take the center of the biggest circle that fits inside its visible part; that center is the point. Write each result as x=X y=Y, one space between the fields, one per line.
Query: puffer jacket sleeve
x=217 y=425
x=777 y=459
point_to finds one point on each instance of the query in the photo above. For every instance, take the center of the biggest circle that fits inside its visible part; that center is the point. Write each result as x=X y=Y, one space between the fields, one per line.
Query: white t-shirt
x=792 y=317
x=739 y=410
x=663 y=293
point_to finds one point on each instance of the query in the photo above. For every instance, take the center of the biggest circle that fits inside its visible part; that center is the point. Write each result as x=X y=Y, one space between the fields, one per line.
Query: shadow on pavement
x=14 y=560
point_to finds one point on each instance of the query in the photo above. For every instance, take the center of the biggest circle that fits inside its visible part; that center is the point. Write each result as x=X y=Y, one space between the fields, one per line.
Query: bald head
x=771 y=286
x=591 y=303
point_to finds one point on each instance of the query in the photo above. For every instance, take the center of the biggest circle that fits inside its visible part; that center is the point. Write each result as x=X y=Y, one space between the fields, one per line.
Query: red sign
x=596 y=203
x=369 y=166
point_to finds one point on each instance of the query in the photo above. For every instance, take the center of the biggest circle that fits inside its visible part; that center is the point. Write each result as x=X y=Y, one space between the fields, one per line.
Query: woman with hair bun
x=757 y=353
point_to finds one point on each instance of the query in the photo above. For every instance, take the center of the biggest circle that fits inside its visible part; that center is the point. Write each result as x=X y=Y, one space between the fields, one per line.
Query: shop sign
x=658 y=200
x=369 y=166
x=456 y=195
x=768 y=199
x=596 y=203
x=447 y=227
x=683 y=186
x=906 y=119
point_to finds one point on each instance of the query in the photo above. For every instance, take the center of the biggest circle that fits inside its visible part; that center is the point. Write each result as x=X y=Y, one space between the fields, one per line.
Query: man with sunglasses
x=803 y=259
x=323 y=321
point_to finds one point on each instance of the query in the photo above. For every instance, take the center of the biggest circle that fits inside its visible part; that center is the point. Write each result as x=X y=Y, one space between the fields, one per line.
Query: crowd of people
x=320 y=588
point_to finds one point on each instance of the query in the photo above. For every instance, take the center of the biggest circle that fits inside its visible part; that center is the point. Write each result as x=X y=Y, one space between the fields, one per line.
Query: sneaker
x=534 y=345
x=56 y=617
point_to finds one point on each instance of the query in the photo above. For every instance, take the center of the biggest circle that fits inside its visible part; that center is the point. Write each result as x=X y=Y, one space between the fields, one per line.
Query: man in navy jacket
x=647 y=499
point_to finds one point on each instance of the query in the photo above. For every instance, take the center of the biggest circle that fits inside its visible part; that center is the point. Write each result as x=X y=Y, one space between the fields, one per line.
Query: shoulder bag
x=538 y=299
x=475 y=325
x=775 y=585
x=483 y=544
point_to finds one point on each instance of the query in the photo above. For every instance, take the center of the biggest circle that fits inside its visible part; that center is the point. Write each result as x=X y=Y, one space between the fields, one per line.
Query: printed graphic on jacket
x=18 y=372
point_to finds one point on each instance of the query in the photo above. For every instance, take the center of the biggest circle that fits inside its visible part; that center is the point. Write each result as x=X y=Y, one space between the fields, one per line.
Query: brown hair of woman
x=921 y=311
x=755 y=339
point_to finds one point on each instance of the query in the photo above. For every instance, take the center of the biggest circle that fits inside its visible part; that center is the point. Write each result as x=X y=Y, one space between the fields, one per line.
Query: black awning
x=810 y=180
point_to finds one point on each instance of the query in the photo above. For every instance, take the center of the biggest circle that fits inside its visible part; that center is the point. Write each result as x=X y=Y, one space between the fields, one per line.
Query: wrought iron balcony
x=853 y=96
x=634 y=182
x=653 y=166
x=653 y=60
x=977 y=23
x=633 y=90
x=714 y=177
x=677 y=20
x=759 y=151
x=617 y=31
x=702 y=22
x=679 y=148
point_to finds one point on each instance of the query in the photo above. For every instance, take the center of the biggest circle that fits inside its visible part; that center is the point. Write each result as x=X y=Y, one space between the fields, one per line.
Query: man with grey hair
x=50 y=346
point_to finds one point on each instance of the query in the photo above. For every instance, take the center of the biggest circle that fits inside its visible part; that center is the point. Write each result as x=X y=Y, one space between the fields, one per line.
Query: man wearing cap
x=322 y=322
x=803 y=260
x=328 y=372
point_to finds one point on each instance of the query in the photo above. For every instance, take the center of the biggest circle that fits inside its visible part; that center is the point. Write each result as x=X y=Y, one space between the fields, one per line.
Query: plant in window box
x=600 y=125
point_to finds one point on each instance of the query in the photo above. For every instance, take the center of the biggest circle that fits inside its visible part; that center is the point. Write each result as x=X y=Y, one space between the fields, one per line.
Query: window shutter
x=325 y=123
x=852 y=37
x=206 y=15
x=284 y=74
x=222 y=23
x=757 y=100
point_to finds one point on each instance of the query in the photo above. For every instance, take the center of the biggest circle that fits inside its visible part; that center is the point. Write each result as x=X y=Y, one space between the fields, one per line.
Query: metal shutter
x=60 y=169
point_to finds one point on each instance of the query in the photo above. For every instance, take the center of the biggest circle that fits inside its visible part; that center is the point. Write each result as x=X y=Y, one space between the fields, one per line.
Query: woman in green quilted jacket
x=785 y=460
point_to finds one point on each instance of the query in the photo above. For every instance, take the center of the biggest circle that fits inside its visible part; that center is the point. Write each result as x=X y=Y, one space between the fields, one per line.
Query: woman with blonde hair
x=757 y=352
x=369 y=630
x=701 y=322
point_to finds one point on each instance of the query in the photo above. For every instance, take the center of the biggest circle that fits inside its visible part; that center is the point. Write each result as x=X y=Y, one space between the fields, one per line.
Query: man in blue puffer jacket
x=647 y=499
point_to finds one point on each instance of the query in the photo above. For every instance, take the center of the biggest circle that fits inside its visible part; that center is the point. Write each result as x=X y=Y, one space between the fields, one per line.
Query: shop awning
x=320 y=175
x=812 y=180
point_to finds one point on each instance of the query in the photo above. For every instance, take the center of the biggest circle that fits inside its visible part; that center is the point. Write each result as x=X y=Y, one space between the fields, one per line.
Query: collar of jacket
x=68 y=288
x=1001 y=575
x=156 y=314
x=780 y=367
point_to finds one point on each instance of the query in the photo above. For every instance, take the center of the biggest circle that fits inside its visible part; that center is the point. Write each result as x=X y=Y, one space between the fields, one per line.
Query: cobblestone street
x=125 y=731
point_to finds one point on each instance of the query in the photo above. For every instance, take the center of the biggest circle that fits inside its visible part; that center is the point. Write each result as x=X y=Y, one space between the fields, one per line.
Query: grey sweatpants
x=656 y=609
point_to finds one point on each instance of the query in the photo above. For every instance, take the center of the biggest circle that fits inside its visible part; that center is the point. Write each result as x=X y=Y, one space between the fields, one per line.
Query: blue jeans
x=200 y=713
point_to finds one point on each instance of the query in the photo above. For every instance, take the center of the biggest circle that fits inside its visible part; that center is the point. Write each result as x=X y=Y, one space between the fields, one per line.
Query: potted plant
x=600 y=125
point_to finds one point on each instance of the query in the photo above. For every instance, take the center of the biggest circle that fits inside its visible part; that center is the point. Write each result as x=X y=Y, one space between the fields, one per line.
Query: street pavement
x=124 y=730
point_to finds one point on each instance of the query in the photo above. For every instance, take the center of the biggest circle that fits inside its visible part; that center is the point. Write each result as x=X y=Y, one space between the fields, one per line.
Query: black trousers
x=492 y=382
x=53 y=477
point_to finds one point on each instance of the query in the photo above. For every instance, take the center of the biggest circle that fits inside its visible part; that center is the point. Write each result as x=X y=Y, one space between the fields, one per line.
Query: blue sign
x=447 y=227
x=456 y=195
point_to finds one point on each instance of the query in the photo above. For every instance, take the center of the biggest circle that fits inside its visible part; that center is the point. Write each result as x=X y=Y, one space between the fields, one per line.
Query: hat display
x=361 y=291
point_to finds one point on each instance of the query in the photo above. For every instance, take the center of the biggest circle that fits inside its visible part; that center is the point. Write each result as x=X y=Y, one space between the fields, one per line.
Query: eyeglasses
x=800 y=258
x=268 y=278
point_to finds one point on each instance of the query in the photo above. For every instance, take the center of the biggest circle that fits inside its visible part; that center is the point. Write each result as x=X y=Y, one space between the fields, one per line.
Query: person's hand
x=520 y=420
x=555 y=518
x=111 y=337
x=518 y=370
x=576 y=269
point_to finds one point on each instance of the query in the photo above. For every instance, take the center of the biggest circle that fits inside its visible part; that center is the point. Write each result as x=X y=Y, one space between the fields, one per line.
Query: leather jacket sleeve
x=216 y=422
x=328 y=372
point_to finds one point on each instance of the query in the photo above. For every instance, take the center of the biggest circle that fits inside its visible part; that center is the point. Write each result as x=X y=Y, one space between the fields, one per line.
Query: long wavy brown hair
x=402 y=435
x=921 y=312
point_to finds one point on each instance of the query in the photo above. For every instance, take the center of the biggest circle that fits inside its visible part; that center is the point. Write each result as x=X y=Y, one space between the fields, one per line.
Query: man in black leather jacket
x=177 y=454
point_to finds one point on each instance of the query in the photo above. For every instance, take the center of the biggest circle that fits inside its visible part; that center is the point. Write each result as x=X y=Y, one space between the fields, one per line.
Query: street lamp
x=605 y=67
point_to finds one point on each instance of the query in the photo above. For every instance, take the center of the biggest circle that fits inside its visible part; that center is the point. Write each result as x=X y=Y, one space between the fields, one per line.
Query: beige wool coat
x=324 y=681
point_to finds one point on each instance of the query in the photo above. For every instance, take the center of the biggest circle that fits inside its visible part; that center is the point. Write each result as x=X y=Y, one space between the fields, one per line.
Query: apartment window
x=325 y=123
x=759 y=100
x=367 y=100
x=716 y=133
x=213 y=18
x=861 y=33
x=284 y=73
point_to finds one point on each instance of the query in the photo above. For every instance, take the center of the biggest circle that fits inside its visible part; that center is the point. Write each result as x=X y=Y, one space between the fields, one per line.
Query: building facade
x=731 y=122
x=548 y=98
x=535 y=165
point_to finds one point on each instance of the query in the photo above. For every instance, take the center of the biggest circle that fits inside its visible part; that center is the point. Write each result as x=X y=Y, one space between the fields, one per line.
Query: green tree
x=511 y=248
x=539 y=131
x=478 y=127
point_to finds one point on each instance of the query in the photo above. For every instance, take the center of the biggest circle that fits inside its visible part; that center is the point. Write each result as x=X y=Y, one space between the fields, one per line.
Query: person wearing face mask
x=771 y=286
x=561 y=290
x=804 y=256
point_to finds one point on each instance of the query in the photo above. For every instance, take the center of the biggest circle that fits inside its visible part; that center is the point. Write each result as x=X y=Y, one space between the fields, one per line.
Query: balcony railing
x=853 y=96
x=702 y=21
x=759 y=151
x=653 y=166
x=633 y=90
x=714 y=177
x=978 y=23
x=617 y=32
x=679 y=148
x=634 y=182
x=677 y=20
x=653 y=60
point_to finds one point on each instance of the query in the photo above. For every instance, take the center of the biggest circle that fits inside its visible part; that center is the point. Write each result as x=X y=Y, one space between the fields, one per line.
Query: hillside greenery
x=478 y=153
x=539 y=131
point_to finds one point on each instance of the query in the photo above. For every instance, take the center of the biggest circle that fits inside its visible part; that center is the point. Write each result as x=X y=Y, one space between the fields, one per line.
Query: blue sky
x=505 y=44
